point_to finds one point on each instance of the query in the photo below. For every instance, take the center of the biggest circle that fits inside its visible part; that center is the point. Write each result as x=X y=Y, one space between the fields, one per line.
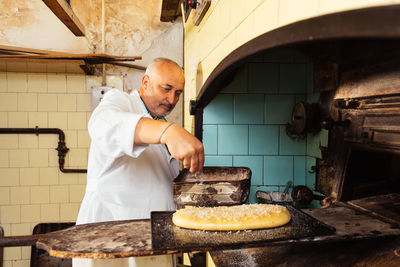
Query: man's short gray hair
x=155 y=62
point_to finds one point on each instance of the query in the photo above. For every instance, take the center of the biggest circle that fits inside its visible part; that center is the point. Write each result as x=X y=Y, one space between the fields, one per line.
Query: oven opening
x=371 y=173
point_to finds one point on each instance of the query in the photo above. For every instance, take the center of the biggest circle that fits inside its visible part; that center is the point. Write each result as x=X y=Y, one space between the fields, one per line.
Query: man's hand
x=185 y=147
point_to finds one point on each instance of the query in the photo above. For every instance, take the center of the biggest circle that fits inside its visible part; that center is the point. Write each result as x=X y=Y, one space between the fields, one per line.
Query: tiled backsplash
x=32 y=189
x=244 y=125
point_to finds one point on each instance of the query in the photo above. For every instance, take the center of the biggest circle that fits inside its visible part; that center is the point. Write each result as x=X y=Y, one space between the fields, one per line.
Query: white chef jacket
x=124 y=181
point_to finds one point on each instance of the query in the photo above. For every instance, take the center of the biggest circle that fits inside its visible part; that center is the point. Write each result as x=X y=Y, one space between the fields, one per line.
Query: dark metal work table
x=367 y=234
x=134 y=237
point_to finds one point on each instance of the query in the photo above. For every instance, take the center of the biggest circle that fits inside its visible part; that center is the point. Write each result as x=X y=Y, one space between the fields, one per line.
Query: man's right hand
x=184 y=147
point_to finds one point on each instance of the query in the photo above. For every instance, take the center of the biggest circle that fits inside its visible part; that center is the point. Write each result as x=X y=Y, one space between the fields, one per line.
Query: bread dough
x=228 y=218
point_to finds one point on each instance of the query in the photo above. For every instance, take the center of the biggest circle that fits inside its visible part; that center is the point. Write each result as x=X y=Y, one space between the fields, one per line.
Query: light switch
x=98 y=93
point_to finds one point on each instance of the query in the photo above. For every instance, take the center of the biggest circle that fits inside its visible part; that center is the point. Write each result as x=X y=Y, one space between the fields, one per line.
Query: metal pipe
x=61 y=148
x=1 y=248
x=103 y=42
x=19 y=241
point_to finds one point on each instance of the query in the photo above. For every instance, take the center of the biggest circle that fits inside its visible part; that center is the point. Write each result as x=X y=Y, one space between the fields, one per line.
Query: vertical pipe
x=103 y=41
x=1 y=249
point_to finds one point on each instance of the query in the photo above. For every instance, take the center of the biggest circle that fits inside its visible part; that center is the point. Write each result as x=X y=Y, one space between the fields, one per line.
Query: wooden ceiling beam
x=65 y=13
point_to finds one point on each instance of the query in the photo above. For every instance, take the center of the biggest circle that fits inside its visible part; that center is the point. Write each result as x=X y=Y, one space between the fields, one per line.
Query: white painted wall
x=131 y=28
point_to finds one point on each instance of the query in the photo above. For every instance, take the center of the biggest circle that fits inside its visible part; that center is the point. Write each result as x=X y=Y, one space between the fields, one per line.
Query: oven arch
x=367 y=23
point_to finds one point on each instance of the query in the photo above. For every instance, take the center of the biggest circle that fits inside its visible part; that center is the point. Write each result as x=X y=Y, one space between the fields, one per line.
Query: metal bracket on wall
x=200 y=11
x=193 y=107
x=197 y=112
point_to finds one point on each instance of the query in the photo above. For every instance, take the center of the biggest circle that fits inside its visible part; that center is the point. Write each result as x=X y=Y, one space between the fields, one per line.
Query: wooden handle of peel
x=18 y=241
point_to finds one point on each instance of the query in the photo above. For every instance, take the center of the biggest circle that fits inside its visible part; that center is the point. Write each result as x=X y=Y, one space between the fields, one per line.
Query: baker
x=134 y=155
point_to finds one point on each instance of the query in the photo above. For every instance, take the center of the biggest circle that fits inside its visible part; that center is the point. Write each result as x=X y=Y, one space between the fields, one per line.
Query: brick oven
x=356 y=67
x=354 y=63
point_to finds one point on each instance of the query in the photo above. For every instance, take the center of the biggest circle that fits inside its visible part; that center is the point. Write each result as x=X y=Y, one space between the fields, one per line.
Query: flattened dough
x=228 y=218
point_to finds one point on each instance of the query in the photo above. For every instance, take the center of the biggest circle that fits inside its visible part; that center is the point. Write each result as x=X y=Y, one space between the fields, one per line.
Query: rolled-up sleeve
x=112 y=126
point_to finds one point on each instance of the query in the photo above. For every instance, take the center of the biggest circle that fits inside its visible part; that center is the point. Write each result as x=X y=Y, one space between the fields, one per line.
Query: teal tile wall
x=279 y=56
x=248 y=108
x=233 y=139
x=255 y=163
x=210 y=139
x=278 y=170
x=292 y=78
x=238 y=83
x=220 y=110
x=299 y=98
x=263 y=139
x=288 y=146
x=278 y=108
x=244 y=125
x=225 y=161
x=263 y=77
x=310 y=78
x=299 y=170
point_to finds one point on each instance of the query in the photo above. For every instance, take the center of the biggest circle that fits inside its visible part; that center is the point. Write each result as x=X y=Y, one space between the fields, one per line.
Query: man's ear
x=145 y=81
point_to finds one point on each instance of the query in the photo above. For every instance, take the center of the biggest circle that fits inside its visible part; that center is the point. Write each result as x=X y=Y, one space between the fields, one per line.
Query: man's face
x=162 y=90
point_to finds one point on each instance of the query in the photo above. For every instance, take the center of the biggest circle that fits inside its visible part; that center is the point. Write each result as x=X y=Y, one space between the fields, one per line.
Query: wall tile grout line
x=279 y=79
x=293 y=170
x=217 y=139
x=279 y=140
x=233 y=108
x=248 y=140
x=263 y=171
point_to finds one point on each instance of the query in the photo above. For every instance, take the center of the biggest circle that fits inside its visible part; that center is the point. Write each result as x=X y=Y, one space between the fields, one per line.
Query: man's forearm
x=181 y=144
x=148 y=131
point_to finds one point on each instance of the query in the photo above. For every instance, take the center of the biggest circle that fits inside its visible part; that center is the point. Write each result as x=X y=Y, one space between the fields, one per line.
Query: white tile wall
x=32 y=189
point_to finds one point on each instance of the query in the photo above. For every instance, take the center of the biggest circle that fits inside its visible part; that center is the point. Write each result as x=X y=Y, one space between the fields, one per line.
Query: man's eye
x=178 y=93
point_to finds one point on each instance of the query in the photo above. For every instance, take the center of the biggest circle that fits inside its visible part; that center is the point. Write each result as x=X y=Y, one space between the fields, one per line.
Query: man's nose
x=171 y=97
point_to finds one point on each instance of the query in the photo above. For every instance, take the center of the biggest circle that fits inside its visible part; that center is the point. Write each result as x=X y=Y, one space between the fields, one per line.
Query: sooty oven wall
x=244 y=125
x=363 y=156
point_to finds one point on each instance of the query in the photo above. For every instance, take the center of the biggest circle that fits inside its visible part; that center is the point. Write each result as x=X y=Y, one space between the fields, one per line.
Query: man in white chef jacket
x=134 y=155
